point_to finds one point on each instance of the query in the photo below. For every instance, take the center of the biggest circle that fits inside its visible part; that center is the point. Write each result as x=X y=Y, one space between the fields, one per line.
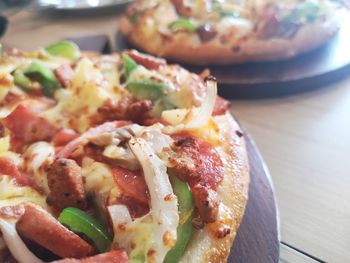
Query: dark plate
x=258 y=237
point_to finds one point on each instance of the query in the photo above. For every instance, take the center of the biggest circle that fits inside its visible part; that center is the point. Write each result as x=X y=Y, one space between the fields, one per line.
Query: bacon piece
x=221 y=106
x=147 y=61
x=64 y=74
x=114 y=256
x=26 y=127
x=66 y=185
x=8 y=167
x=126 y=109
x=64 y=136
x=138 y=109
x=38 y=225
x=181 y=8
x=199 y=164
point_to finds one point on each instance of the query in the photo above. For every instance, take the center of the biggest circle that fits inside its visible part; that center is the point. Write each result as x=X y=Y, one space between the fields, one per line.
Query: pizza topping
x=207 y=202
x=199 y=117
x=64 y=74
x=206 y=32
x=80 y=222
x=22 y=81
x=132 y=183
x=12 y=212
x=114 y=256
x=64 y=136
x=129 y=64
x=221 y=106
x=147 y=61
x=181 y=7
x=66 y=185
x=15 y=244
x=8 y=167
x=38 y=225
x=46 y=77
x=65 y=49
x=126 y=109
x=83 y=139
x=182 y=24
x=185 y=228
x=27 y=127
x=163 y=201
x=38 y=157
x=196 y=162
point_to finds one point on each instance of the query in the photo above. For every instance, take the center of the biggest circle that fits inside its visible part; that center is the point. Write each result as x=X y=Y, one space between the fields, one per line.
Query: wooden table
x=305 y=140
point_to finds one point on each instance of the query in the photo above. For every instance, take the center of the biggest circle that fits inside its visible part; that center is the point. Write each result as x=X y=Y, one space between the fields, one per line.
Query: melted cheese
x=12 y=194
x=38 y=157
x=79 y=102
x=99 y=179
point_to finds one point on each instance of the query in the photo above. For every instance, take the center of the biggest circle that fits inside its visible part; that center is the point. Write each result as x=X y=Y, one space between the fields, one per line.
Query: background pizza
x=224 y=32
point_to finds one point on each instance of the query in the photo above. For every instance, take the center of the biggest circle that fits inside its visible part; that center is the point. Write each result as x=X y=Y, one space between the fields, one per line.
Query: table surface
x=304 y=139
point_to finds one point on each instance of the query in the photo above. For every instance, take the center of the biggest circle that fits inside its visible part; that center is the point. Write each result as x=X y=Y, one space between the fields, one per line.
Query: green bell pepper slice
x=47 y=78
x=22 y=80
x=80 y=222
x=66 y=49
x=145 y=89
x=182 y=24
x=185 y=228
x=129 y=65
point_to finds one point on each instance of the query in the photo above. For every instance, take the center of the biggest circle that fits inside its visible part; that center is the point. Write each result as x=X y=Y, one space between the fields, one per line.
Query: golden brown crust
x=186 y=48
x=233 y=192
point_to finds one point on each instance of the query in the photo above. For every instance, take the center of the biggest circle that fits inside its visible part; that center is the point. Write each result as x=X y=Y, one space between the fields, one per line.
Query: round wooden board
x=269 y=79
x=257 y=240
x=302 y=73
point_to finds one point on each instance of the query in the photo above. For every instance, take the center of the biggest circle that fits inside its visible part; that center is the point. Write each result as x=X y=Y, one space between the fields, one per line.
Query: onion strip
x=119 y=214
x=15 y=244
x=199 y=117
x=163 y=204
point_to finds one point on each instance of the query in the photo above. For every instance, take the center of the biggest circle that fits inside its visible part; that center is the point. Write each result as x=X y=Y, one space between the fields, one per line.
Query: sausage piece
x=114 y=256
x=66 y=185
x=38 y=225
x=207 y=202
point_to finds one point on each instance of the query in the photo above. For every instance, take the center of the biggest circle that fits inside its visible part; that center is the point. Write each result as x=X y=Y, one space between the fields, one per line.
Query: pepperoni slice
x=132 y=183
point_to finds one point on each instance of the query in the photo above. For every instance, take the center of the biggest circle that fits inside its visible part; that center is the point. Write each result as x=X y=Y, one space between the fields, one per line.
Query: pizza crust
x=186 y=47
x=233 y=192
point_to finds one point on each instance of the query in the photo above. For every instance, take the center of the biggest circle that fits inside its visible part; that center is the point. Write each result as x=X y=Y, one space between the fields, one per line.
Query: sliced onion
x=15 y=244
x=163 y=202
x=199 y=117
x=157 y=140
x=119 y=214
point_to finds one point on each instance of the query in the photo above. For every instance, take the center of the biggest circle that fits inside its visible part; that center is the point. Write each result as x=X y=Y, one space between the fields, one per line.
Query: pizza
x=115 y=158
x=206 y=32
